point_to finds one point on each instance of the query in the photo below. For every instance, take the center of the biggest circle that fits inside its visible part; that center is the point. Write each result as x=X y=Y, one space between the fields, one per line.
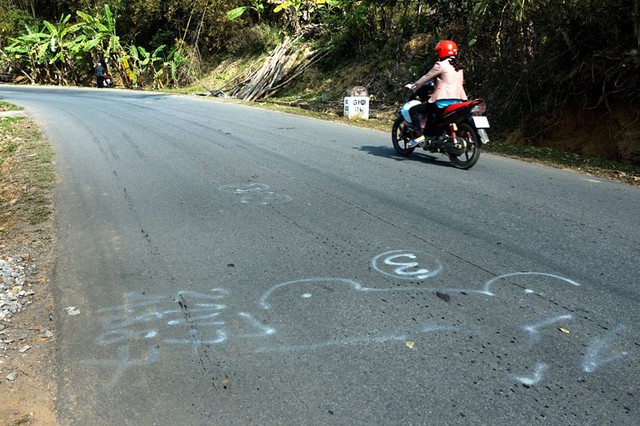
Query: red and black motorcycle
x=460 y=129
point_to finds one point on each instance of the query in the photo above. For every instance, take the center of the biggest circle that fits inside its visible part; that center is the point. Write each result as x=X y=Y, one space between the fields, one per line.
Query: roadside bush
x=253 y=40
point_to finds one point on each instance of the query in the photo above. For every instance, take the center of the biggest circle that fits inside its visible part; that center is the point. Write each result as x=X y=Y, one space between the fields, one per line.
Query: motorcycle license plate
x=481 y=121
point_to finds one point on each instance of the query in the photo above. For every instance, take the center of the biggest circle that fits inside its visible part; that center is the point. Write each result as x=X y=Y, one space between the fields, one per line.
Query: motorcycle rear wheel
x=401 y=136
x=469 y=157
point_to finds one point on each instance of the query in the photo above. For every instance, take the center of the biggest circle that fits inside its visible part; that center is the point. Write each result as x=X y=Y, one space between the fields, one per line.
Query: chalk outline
x=592 y=360
x=257 y=193
x=353 y=341
x=538 y=374
x=486 y=290
x=534 y=334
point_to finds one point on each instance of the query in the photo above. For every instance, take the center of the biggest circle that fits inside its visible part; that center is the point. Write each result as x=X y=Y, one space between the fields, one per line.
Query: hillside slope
x=607 y=131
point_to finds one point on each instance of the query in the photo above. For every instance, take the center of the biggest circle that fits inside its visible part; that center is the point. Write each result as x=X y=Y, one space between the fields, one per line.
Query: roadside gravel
x=14 y=295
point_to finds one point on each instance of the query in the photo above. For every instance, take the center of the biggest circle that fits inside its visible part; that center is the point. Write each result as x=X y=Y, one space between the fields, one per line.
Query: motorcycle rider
x=449 y=78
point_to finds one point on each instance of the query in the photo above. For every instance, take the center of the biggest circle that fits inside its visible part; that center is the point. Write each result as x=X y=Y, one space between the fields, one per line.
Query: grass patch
x=6 y=106
x=27 y=175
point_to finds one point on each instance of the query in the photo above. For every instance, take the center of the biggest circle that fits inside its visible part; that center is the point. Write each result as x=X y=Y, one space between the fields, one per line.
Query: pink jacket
x=448 y=82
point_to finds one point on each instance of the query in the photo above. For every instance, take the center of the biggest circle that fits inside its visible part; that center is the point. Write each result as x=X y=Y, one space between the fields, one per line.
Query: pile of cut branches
x=284 y=64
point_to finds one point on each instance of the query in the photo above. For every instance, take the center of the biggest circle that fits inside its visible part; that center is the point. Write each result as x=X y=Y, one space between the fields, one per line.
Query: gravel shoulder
x=27 y=241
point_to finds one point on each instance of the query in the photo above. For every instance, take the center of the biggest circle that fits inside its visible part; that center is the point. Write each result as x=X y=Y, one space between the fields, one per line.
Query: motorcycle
x=107 y=81
x=460 y=129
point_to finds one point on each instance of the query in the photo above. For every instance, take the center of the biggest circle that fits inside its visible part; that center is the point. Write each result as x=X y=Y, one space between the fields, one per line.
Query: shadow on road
x=417 y=155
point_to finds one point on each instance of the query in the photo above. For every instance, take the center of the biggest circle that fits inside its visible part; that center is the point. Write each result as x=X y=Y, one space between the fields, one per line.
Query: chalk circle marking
x=407 y=264
x=244 y=188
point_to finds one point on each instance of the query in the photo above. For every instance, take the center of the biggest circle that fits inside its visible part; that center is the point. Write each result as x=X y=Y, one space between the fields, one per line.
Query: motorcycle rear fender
x=457 y=111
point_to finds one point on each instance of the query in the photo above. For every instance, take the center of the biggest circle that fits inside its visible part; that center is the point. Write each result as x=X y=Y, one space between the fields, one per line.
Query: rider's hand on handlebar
x=409 y=86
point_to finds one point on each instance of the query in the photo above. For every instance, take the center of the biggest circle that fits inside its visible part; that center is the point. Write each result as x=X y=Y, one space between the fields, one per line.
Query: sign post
x=357 y=104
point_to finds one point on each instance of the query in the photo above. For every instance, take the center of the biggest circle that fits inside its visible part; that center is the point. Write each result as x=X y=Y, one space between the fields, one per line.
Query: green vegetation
x=65 y=52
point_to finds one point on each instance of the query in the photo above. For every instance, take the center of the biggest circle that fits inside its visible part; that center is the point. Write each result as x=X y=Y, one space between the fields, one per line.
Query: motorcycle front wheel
x=401 y=136
x=468 y=137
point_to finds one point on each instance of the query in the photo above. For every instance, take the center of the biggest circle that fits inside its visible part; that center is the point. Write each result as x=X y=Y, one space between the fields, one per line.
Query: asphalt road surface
x=219 y=264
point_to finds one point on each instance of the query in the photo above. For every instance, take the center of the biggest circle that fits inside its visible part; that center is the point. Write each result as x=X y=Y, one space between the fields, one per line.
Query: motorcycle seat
x=443 y=103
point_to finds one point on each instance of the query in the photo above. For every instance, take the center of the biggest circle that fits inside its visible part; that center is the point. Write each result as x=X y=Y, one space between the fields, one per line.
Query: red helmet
x=446 y=48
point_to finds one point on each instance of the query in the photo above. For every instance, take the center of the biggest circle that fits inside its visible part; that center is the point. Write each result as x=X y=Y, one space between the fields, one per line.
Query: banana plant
x=176 y=60
x=64 y=52
x=145 y=65
x=169 y=69
x=24 y=51
x=49 y=54
x=256 y=5
x=100 y=32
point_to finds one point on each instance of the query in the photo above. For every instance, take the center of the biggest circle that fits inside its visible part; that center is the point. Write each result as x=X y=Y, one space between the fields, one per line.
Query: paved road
x=220 y=265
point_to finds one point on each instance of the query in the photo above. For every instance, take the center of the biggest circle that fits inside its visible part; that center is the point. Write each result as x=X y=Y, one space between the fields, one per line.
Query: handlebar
x=424 y=92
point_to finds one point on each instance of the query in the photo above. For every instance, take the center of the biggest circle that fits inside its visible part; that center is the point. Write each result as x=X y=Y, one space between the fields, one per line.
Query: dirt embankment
x=607 y=131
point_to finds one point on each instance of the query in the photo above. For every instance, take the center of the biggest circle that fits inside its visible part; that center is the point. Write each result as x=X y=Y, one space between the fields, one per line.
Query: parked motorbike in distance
x=107 y=81
x=461 y=129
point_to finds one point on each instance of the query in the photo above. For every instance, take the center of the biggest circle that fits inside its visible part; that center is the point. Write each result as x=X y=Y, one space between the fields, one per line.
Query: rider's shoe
x=416 y=142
